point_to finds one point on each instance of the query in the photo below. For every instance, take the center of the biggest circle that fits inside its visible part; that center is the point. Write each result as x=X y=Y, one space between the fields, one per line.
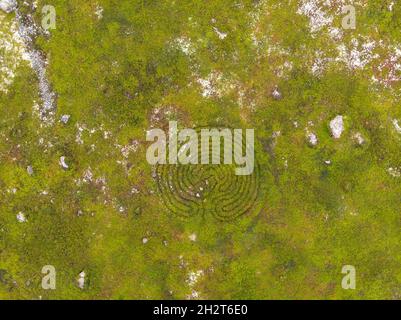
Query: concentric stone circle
x=208 y=189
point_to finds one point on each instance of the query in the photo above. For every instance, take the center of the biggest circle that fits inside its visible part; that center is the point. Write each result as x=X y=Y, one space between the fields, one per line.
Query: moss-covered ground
x=139 y=63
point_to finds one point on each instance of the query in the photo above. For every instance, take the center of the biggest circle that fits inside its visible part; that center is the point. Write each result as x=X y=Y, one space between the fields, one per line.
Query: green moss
x=110 y=74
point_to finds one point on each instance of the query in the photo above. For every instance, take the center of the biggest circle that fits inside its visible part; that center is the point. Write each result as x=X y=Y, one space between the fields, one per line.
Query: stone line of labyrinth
x=207 y=189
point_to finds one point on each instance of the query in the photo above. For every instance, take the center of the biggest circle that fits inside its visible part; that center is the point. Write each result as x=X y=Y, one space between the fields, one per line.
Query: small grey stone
x=29 y=169
x=277 y=94
x=65 y=118
x=312 y=138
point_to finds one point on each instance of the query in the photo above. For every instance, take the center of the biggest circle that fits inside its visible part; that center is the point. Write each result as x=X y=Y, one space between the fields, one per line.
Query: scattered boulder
x=337 y=127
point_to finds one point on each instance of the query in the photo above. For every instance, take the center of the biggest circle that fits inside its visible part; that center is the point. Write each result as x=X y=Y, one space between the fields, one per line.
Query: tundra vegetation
x=77 y=193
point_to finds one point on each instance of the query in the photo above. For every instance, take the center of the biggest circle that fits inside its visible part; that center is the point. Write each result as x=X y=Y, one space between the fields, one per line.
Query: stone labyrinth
x=208 y=190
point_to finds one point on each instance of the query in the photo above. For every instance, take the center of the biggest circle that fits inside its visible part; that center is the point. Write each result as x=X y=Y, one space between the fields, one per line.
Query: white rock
x=81 y=280
x=29 y=169
x=62 y=163
x=99 y=12
x=193 y=277
x=8 y=5
x=28 y=30
x=13 y=51
x=21 y=217
x=276 y=94
x=145 y=240
x=312 y=138
x=220 y=34
x=337 y=127
x=64 y=119
x=192 y=237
